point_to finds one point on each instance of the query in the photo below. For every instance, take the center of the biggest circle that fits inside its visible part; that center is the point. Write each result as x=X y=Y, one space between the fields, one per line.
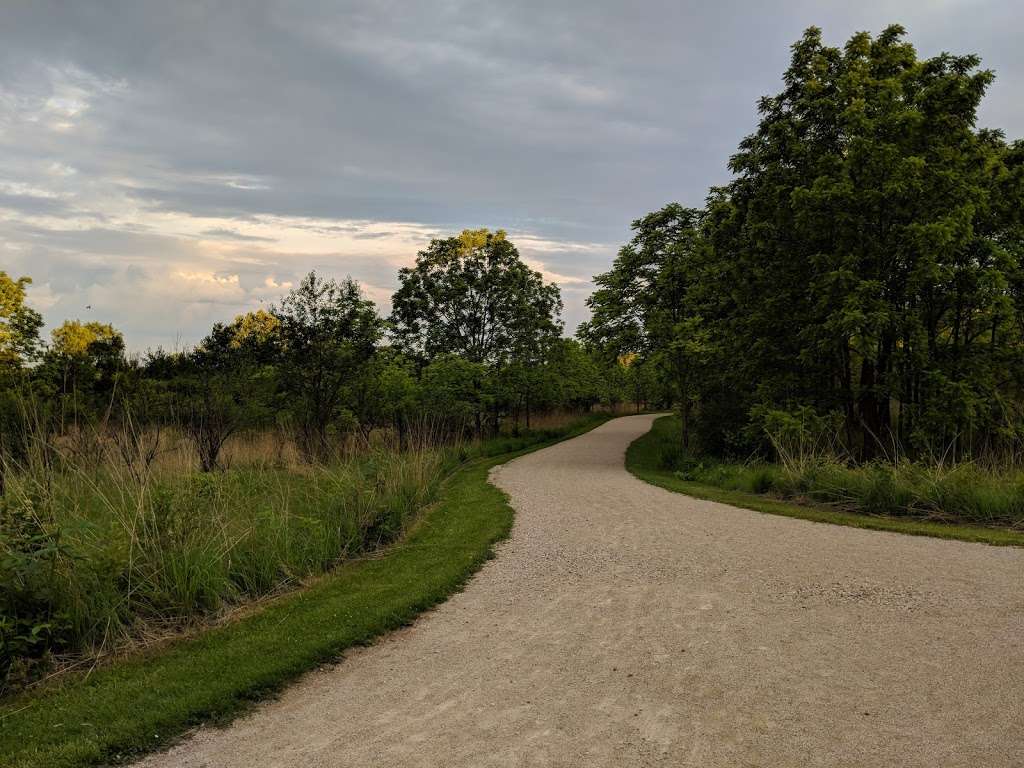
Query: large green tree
x=473 y=296
x=863 y=264
x=867 y=255
x=19 y=344
x=224 y=384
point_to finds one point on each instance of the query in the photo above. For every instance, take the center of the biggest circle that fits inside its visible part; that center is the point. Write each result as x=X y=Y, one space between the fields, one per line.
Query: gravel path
x=624 y=625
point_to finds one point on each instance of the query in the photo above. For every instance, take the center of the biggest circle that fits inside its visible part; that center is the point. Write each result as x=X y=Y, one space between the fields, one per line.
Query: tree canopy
x=473 y=296
x=864 y=261
x=19 y=323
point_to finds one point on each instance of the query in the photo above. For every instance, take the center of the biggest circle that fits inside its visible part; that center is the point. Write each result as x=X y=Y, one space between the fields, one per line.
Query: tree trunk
x=685 y=412
x=870 y=411
x=400 y=427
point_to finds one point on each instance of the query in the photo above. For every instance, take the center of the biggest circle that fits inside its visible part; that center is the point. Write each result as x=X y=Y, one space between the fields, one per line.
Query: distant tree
x=456 y=393
x=579 y=376
x=19 y=344
x=257 y=330
x=643 y=305
x=85 y=366
x=222 y=387
x=73 y=338
x=387 y=394
x=473 y=296
x=327 y=332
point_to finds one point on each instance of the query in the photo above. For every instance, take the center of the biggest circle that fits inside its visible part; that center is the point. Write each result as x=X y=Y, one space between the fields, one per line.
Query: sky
x=167 y=165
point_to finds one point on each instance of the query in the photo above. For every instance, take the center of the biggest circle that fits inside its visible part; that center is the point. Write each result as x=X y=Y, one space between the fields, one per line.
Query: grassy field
x=97 y=560
x=147 y=699
x=914 y=500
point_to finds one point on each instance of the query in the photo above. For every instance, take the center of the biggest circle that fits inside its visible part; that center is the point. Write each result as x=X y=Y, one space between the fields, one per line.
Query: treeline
x=474 y=342
x=858 y=281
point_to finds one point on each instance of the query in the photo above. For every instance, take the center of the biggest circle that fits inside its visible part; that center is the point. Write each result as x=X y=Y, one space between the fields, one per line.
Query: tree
x=85 y=366
x=454 y=393
x=472 y=296
x=256 y=330
x=863 y=265
x=327 y=332
x=73 y=338
x=644 y=305
x=387 y=393
x=19 y=323
x=221 y=385
x=867 y=248
x=19 y=344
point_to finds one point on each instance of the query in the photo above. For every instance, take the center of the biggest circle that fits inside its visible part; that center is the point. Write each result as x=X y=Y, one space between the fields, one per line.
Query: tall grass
x=96 y=556
x=112 y=541
x=966 y=492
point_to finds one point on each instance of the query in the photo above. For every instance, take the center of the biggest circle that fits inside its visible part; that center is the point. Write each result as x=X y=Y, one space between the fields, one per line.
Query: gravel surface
x=624 y=625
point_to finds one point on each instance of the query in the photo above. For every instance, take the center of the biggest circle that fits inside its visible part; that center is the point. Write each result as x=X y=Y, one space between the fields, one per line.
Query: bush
x=672 y=457
x=32 y=623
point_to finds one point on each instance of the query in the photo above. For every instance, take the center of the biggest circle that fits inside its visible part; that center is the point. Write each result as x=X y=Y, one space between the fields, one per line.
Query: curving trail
x=624 y=625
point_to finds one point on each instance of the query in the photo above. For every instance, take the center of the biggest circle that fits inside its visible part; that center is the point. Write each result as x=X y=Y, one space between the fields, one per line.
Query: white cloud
x=41 y=297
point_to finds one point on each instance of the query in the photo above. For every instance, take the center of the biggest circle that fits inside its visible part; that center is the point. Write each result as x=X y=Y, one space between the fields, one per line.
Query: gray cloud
x=129 y=131
x=221 y=233
x=34 y=205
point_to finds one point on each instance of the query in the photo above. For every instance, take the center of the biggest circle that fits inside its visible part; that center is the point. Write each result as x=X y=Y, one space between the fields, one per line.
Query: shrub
x=32 y=622
x=672 y=457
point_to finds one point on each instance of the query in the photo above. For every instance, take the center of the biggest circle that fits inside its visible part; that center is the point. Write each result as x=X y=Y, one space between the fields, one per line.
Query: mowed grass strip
x=643 y=459
x=145 y=701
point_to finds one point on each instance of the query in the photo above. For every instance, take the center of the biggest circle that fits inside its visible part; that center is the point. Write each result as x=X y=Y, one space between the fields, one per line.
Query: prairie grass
x=126 y=543
x=965 y=500
x=96 y=557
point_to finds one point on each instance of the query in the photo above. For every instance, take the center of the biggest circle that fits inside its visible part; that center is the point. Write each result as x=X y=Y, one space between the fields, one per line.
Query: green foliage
x=472 y=296
x=19 y=323
x=864 y=261
x=32 y=623
x=327 y=331
x=866 y=244
x=962 y=494
x=453 y=387
x=963 y=503
x=73 y=338
x=226 y=384
x=642 y=307
x=171 y=550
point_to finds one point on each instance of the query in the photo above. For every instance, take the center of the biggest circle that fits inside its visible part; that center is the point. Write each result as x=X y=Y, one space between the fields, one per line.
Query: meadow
x=103 y=557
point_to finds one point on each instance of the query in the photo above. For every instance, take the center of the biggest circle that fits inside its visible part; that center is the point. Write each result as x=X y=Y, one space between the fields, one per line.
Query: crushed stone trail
x=624 y=625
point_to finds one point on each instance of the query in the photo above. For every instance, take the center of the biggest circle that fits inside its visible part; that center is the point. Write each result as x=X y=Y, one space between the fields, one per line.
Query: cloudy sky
x=164 y=165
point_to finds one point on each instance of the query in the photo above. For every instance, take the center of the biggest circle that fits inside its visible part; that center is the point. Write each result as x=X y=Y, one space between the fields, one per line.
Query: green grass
x=147 y=700
x=98 y=559
x=653 y=458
